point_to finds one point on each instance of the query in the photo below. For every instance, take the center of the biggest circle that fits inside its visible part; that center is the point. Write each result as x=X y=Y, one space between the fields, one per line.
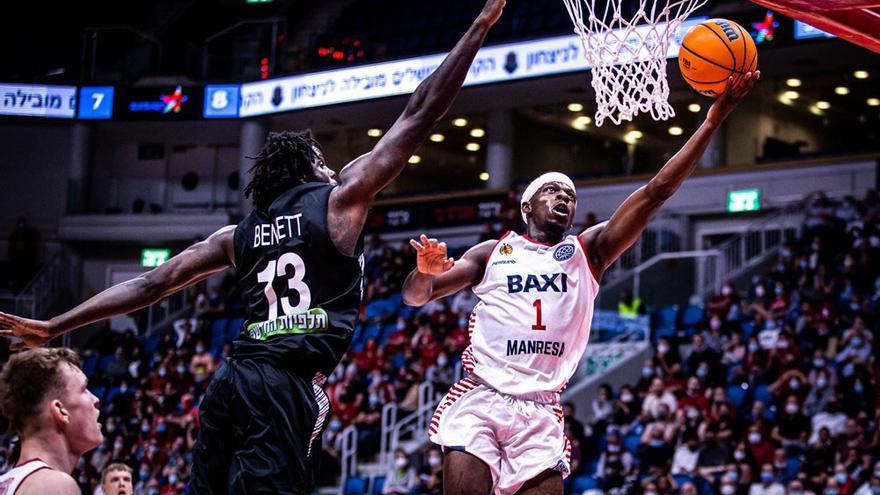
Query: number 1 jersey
x=301 y=294
x=530 y=328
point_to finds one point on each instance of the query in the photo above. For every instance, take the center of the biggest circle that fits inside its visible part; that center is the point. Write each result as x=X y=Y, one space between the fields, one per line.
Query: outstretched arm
x=607 y=241
x=437 y=276
x=361 y=180
x=194 y=264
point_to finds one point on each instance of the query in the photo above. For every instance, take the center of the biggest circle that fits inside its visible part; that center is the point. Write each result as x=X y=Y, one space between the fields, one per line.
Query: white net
x=628 y=55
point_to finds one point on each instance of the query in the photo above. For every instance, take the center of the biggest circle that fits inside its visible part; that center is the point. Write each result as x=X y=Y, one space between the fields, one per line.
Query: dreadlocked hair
x=284 y=162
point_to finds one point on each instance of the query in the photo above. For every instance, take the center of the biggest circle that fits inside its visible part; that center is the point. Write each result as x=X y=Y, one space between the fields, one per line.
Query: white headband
x=538 y=183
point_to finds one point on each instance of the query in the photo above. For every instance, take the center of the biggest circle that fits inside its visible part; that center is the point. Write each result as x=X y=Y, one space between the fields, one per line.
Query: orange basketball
x=714 y=50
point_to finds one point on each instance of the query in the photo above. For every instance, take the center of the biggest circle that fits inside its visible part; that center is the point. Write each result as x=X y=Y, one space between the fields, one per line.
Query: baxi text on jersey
x=548 y=347
x=270 y=234
x=555 y=282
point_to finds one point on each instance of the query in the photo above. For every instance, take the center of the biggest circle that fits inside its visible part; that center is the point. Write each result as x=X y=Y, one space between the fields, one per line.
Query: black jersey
x=302 y=295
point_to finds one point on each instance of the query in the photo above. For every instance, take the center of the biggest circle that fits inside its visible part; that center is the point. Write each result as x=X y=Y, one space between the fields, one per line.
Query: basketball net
x=628 y=56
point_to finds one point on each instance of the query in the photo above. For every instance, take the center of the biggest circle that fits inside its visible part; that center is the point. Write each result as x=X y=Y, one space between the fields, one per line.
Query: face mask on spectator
x=172 y=479
x=162 y=371
x=818 y=363
x=779 y=290
x=785 y=252
x=117 y=445
x=662 y=348
x=821 y=382
x=849 y=369
x=726 y=290
x=181 y=370
x=375 y=400
x=791 y=408
x=857 y=341
x=646 y=371
x=715 y=323
x=144 y=475
x=841 y=478
x=693 y=413
x=759 y=291
x=832 y=491
x=626 y=397
x=733 y=475
x=728 y=489
x=145 y=428
x=442 y=361
x=614 y=448
x=200 y=349
x=767 y=478
x=434 y=460
x=400 y=463
x=859 y=388
x=794 y=384
x=795 y=492
x=701 y=372
x=656 y=442
x=162 y=428
x=753 y=347
x=754 y=437
x=651 y=492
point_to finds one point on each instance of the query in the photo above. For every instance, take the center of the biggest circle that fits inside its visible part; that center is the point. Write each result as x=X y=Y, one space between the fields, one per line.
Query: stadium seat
x=690 y=317
x=737 y=395
x=103 y=363
x=762 y=393
x=664 y=322
x=218 y=331
x=355 y=485
x=236 y=325
x=89 y=364
x=583 y=483
x=631 y=442
x=151 y=344
x=378 y=485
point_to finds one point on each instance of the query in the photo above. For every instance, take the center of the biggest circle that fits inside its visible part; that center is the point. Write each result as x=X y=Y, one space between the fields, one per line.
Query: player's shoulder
x=47 y=480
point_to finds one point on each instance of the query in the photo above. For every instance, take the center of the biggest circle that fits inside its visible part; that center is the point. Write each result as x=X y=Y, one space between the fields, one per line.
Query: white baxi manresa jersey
x=531 y=326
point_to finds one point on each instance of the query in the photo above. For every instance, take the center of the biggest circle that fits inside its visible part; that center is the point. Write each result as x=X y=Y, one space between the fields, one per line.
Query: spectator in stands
x=401 y=478
x=767 y=484
x=614 y=464
x=603 y=407
x=116 y=480
x=431 y=474
x=629 y=306
x=684 y=460
x=658 y=397
x=202 y=364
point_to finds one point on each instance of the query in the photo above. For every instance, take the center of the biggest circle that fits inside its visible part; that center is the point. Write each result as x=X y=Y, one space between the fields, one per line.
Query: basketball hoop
x=628 y=56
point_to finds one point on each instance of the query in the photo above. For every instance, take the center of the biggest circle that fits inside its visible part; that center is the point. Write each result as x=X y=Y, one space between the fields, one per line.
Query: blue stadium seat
x=104 y=362
x=218 y=331
x=236 y=325
x=681 y=479
x=99 y=391
x=355 y=486
x=748 y=328
x=583 y=483
x=737 y=395
x=631 y=442
x=690 y=317
x=89 y=364
x=151 y=345
x=378 y=485
x=762 y=393
x=664 y=322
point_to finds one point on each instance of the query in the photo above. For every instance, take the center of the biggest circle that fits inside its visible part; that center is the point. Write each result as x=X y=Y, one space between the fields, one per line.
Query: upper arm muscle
x=195 y=263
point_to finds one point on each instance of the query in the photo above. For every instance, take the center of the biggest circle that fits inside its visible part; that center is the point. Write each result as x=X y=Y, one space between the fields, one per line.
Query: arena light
x=374 y=133
x=861 y=74
x=476 y=132
x=575 y=107
x=694 y=107
x=841 y=90
x=415 y=159
x=438 y=138
x=632 y=137
x=473 y=147
x=676 y=130
x=459 y=122
x=581 y=122
x=874 y=102
x=823 y=105
x=791 y=95
x=815 y=110
x=793 y=82
x=484 y=176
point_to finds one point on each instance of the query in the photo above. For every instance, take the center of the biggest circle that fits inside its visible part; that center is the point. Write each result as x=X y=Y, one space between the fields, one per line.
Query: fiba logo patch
x=506 y=249
x=564 y=252
x=561 y=467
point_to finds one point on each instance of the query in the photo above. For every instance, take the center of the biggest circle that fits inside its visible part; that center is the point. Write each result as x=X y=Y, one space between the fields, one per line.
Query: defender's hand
x=737 y=88
x=33 y=333
x=492 y=11
x=431 y=256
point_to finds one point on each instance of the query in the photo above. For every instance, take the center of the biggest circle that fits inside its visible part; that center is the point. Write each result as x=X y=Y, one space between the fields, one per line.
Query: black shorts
x=260 y=431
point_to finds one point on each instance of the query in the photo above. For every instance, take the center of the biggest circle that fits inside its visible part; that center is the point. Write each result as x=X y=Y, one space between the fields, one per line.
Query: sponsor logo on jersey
x=504 y=262
x=564 y=252
x=554 y=282
x=562 y=467
x=313 y=320
x=506 y=249
x=546 y=347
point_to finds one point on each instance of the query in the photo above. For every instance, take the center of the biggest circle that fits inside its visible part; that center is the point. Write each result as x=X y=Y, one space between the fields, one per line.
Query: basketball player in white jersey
x=43 y=396
x=501 y=426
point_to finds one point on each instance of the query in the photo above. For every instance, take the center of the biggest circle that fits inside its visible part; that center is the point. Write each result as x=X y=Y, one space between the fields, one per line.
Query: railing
x=348 y=454
x=389 y=421
x=663 y=235
x=54 y=279
x=416 y=422
x=166 y=311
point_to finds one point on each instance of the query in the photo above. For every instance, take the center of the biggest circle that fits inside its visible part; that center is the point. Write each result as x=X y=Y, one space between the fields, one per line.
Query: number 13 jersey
x=301 y=294
x=530 y=328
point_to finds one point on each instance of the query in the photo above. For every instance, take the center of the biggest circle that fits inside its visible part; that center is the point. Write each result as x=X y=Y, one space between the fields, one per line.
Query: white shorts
x=518 y=438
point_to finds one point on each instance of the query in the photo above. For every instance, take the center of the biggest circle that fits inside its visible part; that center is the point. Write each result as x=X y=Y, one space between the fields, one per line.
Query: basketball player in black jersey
x=298 y=259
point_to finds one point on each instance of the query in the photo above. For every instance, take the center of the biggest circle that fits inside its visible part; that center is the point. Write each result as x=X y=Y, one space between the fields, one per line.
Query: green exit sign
x=151 y=258
x=745 y=200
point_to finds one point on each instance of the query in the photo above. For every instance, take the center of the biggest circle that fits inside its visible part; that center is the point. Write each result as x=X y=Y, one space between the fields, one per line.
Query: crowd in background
x=773 y=392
